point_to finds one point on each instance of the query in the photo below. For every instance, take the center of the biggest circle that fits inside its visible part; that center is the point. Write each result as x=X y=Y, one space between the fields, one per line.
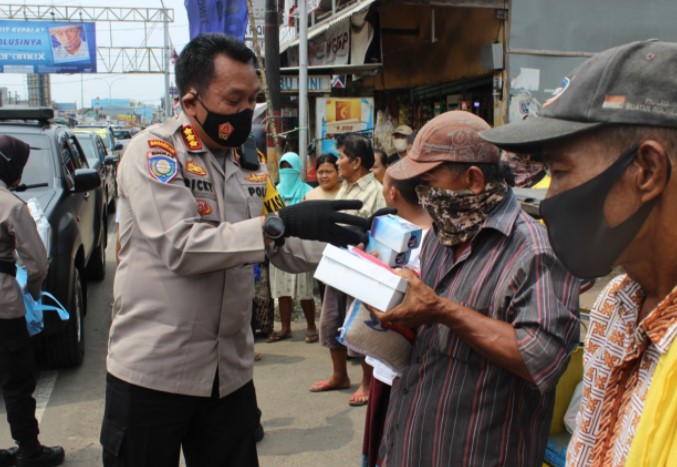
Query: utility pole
x=272 y=46
x=303 y=85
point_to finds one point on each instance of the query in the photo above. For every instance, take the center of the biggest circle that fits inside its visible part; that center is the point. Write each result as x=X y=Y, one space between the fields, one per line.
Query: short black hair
x=195 y=65
x=385 y=160
x=326 y=158
x=407 y=188
x=355 y=145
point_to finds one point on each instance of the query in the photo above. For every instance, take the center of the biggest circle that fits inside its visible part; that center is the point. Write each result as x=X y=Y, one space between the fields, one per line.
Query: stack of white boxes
x=366 y=278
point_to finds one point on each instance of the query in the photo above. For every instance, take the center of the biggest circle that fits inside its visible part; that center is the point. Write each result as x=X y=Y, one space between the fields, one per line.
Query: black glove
x=318 y=220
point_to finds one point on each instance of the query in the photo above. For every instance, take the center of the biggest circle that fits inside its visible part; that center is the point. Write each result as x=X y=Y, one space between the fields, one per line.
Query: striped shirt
x=619 y=363
x=368 y=190
x=453 y=407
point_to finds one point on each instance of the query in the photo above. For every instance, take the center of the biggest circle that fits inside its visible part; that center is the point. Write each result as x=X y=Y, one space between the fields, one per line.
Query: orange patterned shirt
x=619 y=362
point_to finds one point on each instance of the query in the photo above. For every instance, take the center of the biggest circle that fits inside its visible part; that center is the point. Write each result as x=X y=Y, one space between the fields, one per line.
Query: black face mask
x=578 y=233
x=229 y=130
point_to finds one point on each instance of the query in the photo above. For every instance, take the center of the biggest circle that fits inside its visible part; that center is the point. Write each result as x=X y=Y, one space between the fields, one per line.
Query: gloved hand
x=318 y=220
x=363 y=230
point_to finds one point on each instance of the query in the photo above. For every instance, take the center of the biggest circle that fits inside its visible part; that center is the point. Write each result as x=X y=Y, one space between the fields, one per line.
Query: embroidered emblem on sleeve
x=161 y=166
x=195 y=168
x=159 y=143
x=203 y=207
x=190 y=138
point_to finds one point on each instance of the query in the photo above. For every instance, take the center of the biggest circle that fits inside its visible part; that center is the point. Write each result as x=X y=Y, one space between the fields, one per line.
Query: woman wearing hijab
x=283 y=285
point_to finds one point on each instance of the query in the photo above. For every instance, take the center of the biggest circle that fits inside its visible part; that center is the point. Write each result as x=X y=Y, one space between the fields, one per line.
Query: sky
x=143 y=88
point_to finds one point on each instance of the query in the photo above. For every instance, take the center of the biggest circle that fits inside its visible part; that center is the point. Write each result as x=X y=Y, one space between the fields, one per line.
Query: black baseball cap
x=631 y=84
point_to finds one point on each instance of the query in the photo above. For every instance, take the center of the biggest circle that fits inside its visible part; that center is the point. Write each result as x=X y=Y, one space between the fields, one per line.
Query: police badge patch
x=161 y=166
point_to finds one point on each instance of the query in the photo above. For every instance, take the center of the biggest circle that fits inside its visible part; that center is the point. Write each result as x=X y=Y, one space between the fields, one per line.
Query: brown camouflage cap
x=450 y=137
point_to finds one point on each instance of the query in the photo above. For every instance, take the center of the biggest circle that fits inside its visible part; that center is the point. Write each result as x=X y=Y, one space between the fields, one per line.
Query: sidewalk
x=304 y=428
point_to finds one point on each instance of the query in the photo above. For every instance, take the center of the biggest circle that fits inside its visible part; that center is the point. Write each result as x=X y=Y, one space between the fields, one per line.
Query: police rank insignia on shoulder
x=195 y=168
x=190 y=138
x=161 y=166
x=162 y=144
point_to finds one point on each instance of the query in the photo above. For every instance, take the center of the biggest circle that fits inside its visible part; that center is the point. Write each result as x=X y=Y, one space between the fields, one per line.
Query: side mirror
x=111 y=160
x=118 y=147
x=86 y=180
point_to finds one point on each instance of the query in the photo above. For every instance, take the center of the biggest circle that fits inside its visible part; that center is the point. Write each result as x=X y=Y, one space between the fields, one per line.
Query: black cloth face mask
x=579 y=235
x=230 y=130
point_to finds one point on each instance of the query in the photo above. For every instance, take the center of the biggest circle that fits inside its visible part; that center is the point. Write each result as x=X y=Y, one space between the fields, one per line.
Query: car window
x=87 y=144
x=40 y=166
x=79 y=158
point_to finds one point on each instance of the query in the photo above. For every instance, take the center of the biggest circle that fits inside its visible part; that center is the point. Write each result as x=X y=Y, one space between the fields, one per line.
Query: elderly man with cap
x=401 y=140
x=496 y=314
x=18 y=233
x=609 y=140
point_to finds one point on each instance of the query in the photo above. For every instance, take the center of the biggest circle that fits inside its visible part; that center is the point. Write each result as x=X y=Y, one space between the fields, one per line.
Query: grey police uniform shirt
x=190 y=233
x=18 y=233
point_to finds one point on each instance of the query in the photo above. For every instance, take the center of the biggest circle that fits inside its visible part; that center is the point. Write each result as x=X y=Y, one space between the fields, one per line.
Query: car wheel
x=96 y=267
x=67 y=347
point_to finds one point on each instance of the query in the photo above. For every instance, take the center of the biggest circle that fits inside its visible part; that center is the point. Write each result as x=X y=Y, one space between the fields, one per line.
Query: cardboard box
x=396 y=233
x=386 y=254
x=362 y=276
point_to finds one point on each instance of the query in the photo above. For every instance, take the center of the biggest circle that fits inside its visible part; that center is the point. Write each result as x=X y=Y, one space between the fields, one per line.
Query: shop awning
x=324 y=26
x=333 y=69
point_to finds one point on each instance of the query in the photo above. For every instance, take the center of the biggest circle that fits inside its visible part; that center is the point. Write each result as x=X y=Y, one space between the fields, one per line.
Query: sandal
x=311 y=338
x=275 y=337
x=358 y=399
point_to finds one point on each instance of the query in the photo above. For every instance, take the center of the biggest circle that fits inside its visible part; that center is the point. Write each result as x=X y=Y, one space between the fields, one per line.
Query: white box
x=396 y=233
x=359 y=275
x=386 y=254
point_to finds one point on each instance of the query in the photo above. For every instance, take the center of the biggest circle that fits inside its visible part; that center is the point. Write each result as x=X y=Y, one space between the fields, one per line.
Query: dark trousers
x=142 y=427
x=18 y=374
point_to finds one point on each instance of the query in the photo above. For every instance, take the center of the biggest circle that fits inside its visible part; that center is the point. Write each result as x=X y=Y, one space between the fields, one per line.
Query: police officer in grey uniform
x=180 y=354
x=18 y=233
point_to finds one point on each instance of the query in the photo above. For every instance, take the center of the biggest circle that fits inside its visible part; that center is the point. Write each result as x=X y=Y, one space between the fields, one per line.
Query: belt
x=8 y=267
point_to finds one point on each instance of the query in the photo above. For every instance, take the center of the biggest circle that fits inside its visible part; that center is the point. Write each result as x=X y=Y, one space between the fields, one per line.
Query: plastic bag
x=572 y=410
x=35 y=309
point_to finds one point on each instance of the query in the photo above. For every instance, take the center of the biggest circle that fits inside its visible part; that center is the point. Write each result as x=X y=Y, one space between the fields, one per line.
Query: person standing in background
x=285 y=286
x=401 y=140
x=380 y=164
x=327 y=177
x=18 y=233
x=356 y=158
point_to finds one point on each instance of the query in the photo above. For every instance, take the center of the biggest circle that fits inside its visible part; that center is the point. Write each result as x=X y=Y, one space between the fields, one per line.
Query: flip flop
x=358 y=399
x=275 y=337
x=311 y=338
x=321 y=386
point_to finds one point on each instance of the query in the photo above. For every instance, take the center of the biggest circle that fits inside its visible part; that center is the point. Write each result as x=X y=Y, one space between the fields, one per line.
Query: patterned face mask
x=458 y=215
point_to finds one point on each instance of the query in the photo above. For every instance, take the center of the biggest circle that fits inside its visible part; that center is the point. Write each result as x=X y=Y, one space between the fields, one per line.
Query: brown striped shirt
x=453 y=407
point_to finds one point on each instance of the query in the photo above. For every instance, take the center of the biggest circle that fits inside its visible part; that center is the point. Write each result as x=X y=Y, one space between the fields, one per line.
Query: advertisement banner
x=225 y=16
x=342 y=115
x=47 y=47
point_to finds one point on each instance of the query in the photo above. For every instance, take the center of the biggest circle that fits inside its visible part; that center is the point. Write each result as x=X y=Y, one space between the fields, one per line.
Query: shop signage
x=342 y=115
x=320 y=83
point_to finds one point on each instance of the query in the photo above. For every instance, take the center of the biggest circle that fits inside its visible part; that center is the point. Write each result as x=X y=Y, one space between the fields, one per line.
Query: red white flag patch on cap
x=614 y=102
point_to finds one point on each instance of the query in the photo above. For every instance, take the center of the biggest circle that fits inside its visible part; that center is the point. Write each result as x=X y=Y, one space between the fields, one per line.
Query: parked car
x=123 y=136
x=114 y=147
x=104 y=163
x=58 y=176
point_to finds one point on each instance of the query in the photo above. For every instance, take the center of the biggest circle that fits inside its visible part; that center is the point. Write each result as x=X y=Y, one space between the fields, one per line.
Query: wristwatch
x=273 y=228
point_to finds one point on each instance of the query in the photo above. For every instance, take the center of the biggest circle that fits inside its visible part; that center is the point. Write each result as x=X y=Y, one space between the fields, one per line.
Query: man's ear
x=188 y=103
x=475 y=179
x=653 y=171
x=393 y=194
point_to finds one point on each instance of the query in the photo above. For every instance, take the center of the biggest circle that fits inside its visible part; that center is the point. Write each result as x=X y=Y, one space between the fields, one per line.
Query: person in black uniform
x=19 y=233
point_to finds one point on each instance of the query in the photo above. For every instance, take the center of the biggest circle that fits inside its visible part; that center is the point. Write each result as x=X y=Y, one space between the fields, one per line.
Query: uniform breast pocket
x=254 y=207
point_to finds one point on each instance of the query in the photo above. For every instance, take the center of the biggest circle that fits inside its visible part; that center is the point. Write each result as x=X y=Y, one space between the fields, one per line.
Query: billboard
x=47 y=47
